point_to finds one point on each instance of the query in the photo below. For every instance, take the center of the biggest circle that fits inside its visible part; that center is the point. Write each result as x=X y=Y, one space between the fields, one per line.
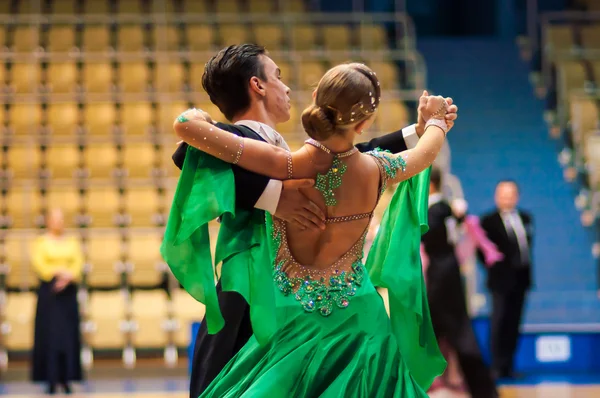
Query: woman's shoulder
x=387 y=162
x=369 y=161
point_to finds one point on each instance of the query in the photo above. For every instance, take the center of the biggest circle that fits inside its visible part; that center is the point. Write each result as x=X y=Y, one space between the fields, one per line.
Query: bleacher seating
x=571 y=70
x=17 y=328
x=88 y=105
x=150 y=315
x=107 y=321
x=571 y=47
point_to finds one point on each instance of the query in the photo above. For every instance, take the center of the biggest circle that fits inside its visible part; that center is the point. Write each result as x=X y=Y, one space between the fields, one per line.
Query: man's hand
x=194 y=114
x=451 y=115
x=295 y=207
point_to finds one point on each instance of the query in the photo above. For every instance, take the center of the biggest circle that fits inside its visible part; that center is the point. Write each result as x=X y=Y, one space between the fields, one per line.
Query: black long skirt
x=57 y=341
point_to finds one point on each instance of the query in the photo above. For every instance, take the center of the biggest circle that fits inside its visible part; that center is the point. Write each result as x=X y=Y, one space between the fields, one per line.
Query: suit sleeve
x=249 y=186
x=393 y=142
x=179 y=155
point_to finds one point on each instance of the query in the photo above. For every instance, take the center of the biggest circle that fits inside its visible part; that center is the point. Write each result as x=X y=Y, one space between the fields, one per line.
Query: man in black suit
x=446 y=294
x=511 y=230
x=246 y=85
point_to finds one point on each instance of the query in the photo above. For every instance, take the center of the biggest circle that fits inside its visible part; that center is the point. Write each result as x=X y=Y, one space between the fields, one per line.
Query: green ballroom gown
x=330 y=338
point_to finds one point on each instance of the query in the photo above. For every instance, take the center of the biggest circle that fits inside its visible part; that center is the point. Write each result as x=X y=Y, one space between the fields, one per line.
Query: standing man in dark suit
x=247 y=87
x=446 y=294
x=511 y=230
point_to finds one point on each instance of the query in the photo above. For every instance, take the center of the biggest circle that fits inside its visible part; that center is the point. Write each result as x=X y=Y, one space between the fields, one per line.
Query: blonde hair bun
x=317 y=123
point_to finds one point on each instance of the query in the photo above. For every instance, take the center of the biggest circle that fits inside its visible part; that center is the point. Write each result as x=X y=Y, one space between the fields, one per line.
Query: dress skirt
x=57 y=341
x=350 y=353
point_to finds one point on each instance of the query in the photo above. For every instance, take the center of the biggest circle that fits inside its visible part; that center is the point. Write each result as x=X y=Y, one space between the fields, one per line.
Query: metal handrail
x=413 y=61
x=404 y=26
x=208 y=18
x=569 y=16
x=532 y=24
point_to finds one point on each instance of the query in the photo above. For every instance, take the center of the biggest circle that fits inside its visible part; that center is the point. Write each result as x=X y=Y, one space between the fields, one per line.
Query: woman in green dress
x=320 y=327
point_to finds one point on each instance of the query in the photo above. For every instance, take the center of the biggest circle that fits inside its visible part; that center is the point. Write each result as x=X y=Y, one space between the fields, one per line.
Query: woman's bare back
x=347 y=221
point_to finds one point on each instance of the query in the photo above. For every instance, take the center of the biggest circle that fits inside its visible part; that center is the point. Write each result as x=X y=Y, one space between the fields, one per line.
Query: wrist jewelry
x=439 y=123
x=238 y=154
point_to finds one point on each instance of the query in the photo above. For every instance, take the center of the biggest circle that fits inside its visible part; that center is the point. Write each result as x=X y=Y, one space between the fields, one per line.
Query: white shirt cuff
x=410 y=136
x=269 y=200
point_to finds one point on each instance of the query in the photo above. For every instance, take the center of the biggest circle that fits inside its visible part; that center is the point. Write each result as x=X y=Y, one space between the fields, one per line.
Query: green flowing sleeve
x=394 y=262
x=205 y=192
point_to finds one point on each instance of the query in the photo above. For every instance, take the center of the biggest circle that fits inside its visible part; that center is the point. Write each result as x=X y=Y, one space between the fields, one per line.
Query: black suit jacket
x=435 y=241
x=252 y=185
x=506 y=275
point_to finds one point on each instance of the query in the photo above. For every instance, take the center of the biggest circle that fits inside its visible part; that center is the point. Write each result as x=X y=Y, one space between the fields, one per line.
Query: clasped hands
x=62 y=279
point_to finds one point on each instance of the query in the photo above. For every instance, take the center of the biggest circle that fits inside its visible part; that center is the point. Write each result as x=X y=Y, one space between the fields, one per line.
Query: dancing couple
x=318 y=324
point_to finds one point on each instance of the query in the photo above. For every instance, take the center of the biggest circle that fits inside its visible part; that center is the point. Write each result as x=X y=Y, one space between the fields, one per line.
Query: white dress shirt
x=512 y=220
x=269 y=200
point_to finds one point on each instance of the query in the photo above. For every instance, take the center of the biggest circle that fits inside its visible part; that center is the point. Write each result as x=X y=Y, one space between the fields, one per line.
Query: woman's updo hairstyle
x=347 y=94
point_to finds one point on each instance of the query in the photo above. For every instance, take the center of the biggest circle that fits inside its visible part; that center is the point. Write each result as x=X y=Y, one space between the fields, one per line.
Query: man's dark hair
x=509 y=181
x=435 y=178
x=227 y=74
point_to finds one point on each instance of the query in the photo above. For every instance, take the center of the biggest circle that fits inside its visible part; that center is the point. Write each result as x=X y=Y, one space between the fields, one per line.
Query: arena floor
x=150 y=380
x=545 y=390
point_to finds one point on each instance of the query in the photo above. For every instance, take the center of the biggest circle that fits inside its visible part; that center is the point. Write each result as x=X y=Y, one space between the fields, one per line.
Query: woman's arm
x=38 y=260
x=195 y=128
x=416 y=160
x=406 y=164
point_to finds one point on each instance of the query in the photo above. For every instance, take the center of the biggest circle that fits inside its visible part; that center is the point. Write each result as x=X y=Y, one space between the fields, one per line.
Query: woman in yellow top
x=58 y=261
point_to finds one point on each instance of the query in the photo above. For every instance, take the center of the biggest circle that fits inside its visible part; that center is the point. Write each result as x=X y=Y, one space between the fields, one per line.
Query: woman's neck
x=338 y=144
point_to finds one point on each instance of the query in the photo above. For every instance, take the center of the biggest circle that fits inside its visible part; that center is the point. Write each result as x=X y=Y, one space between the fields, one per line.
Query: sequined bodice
x=325 y=288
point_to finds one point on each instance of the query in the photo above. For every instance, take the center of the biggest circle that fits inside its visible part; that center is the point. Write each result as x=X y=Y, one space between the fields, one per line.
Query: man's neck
x=256 y=114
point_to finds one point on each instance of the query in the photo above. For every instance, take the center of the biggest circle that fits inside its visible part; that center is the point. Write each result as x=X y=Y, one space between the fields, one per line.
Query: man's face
x=507 y=196
x=277 y=100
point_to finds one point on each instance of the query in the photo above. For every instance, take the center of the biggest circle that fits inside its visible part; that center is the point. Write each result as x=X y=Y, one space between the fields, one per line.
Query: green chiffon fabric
x=355 y=351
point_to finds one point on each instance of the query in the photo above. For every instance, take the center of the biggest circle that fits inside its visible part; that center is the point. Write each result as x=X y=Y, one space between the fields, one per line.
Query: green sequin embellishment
x=182 y=119
x=332 y=180
x=320 y=295
x=390 y=164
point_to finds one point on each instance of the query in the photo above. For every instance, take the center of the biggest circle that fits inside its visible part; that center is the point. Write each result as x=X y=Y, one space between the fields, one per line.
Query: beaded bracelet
x=439 y=123
x=443 y=107
x=238 y=155
x=289 y=165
